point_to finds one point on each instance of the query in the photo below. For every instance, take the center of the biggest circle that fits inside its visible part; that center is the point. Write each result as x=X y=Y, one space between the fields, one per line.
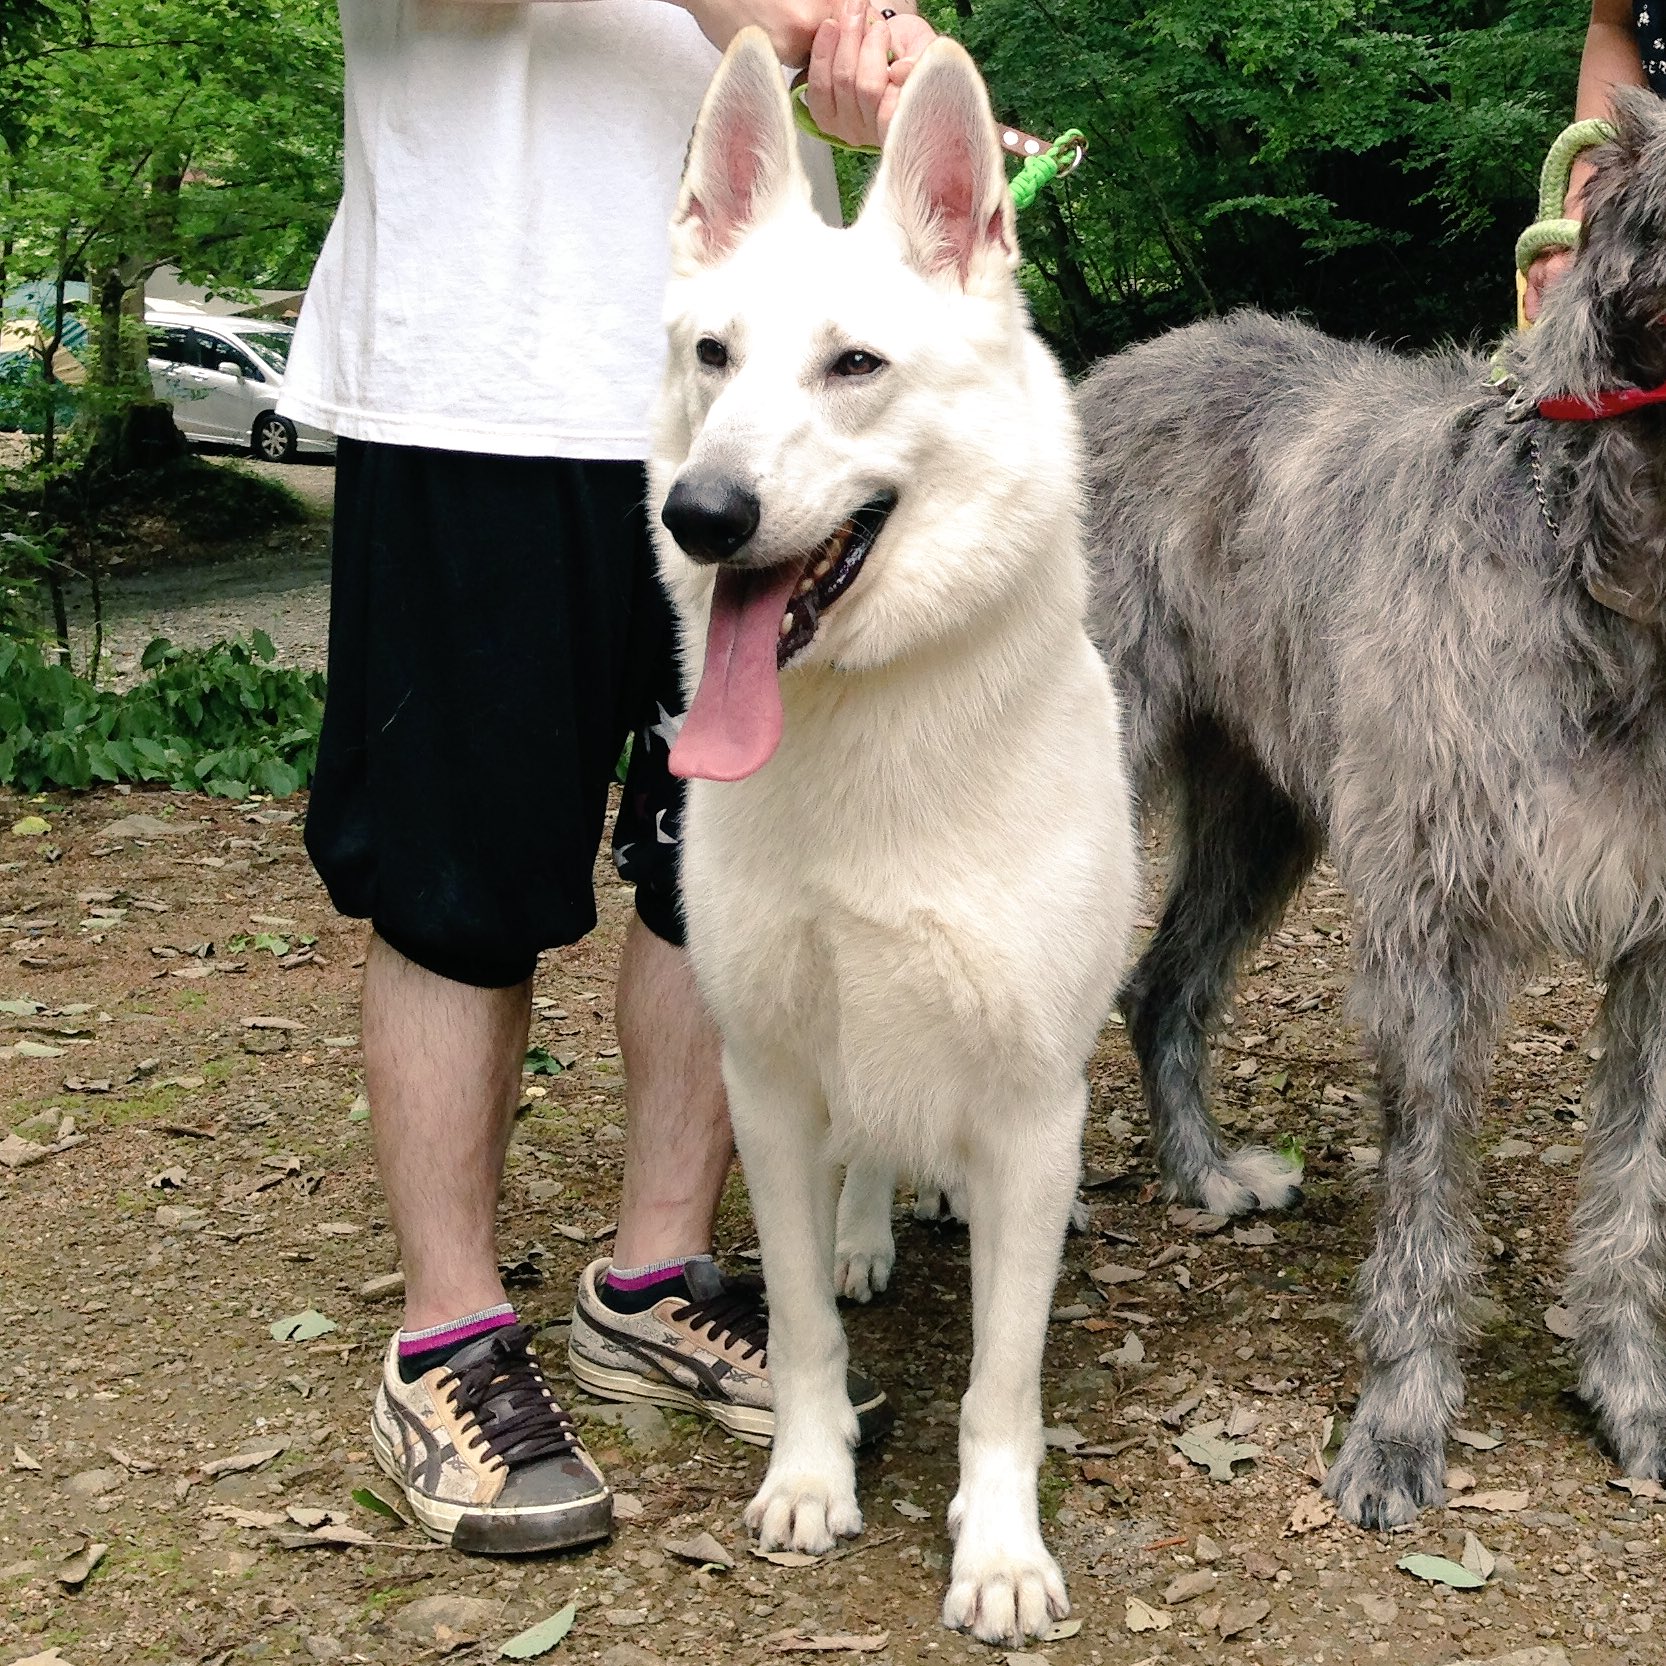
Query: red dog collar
x=1576 y=408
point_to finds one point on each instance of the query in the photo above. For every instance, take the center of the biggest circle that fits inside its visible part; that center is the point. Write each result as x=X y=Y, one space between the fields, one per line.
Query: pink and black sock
x=636 y=1289
x=421 y=1350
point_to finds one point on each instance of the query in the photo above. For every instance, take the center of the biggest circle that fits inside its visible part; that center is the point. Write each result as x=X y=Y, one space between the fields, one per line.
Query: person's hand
x=857 y=67
x=1549 y=269
x=790 y=24
x=1552 y=266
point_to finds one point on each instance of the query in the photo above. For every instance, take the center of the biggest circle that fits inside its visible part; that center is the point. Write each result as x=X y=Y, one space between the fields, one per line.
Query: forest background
x=1366 y=164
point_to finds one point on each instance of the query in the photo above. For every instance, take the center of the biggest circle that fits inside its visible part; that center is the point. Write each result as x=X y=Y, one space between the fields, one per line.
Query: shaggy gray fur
x=1338 y=617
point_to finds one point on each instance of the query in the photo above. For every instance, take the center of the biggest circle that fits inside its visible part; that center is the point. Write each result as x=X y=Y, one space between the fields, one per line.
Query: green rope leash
x=1552 y=229
x=1061 y=157
x=1040 y=171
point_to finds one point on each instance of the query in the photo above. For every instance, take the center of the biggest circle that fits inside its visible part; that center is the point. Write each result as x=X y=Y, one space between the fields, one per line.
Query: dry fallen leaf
x=835 y=1642
x=1059 y=1630
x=1440 y=1570
x=238 y=1461
x=1202 y=1443
x=1141 y=1616
x=702 y=1549
x=1132 y=1352
x=1641 y=1486
x=1312 y=1510
x=1200 y=1221
x=74 y=1571
x=541 y=1638
x=1477 y=1558
x=1114 y=1273
x=1503 y=1500
x=781 y=1558
x=245 y=1518
x=301 y=1327
x=330 y=1536
x=1476 y=1441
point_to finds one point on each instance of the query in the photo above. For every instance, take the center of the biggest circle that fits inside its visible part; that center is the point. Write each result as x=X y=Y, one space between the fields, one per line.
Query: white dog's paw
x=934 y=1203
x=861 y=1271
x=1256 y=1177
x=804 y=1511
x=1004 y=1593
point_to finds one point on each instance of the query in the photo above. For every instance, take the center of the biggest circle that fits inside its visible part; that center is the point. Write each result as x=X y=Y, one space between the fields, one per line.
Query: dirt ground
x=180 y=1079
x=207 y=1175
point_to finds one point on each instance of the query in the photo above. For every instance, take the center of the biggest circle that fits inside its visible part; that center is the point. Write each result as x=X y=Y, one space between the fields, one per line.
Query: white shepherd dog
x=908 y=856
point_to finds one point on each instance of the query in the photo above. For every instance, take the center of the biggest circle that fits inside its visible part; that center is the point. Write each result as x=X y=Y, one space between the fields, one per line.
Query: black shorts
x=497 y=628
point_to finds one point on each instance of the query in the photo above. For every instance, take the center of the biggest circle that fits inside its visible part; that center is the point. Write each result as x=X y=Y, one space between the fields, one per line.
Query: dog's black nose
x=710 y=515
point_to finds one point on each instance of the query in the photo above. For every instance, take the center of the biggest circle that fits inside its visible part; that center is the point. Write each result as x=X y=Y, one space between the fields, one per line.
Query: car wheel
x=273 y=440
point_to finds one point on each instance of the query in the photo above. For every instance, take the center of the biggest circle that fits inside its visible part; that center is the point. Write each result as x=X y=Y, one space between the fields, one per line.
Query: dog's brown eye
x=857 y=362
x=711 y=352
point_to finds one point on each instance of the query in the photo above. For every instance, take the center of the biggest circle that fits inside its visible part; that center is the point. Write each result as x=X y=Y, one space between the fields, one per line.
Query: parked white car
x=223 y=376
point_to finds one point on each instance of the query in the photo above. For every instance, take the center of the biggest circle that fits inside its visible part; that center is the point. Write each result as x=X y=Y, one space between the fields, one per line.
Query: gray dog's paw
x=1255 y=1178
x=1639 y=1444
x=1378 y=1483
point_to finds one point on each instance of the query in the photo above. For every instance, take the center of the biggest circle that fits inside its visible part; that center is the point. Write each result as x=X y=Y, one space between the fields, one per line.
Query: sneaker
x=489 y=1462
x=708 y=1353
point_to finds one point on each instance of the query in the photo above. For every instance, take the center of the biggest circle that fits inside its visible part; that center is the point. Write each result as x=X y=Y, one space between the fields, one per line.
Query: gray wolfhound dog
x=1375 y=604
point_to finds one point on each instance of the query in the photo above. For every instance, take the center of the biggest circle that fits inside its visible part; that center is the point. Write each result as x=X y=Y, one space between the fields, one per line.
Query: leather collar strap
x=1577 y=408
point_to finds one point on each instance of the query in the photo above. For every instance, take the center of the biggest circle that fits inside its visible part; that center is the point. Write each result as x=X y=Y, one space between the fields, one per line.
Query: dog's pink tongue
x=734 y=721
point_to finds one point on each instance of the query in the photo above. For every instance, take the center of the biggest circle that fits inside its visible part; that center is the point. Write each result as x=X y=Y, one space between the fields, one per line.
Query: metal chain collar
x=1537 y=465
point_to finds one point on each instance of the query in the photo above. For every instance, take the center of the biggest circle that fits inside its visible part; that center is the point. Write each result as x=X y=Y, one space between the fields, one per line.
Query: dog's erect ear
x=743 y=158
x=942 y=179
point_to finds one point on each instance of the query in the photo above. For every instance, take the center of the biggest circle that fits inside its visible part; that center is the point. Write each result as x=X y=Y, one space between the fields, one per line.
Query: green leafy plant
x=223 y=720
x=540 y=1061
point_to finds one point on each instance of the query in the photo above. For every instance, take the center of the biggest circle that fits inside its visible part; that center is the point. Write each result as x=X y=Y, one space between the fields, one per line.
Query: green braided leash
x=1064 y=155
x=1552 y=229
x=1039 y=171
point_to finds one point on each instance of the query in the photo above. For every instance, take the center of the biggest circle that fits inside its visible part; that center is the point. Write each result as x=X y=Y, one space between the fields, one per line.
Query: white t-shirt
x=494 y=277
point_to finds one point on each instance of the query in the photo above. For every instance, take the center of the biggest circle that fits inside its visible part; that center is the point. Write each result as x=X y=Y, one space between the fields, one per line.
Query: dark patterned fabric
x=1649 y=19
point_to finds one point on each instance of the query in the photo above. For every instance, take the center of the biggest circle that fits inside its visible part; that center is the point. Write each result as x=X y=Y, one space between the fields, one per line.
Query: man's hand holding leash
x=857 y=56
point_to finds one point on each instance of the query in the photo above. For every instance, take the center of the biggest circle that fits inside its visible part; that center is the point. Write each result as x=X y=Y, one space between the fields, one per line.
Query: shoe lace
x=505 y=1394
x=736 y=1314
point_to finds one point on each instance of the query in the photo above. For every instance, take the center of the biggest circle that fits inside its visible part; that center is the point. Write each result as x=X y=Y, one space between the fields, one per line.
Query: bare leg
x=443 y=1072
x=1618 y=1282
x=677 y=1141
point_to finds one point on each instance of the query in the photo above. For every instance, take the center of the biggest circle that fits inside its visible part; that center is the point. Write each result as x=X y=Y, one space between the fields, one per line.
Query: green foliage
x=540 y=1061
x=1367 y=163
x=27 y=549
x=134 y=132
x=223 y=720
